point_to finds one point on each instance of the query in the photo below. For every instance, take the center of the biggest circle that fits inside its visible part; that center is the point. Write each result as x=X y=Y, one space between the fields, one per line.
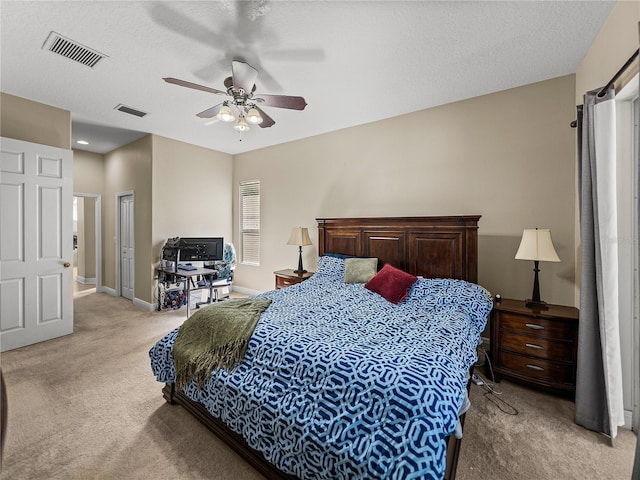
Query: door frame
x=635 y=423
x=98 y=232
x=628 y=147
x=119 y=196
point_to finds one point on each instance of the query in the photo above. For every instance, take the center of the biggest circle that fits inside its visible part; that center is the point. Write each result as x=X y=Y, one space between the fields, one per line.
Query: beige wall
x=192 y=189
x=35 y=122
x=128 y=168
x=508 y=156
x=88 y=172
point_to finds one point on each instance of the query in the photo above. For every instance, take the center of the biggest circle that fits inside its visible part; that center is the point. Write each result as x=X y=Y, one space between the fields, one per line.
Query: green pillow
x=359 y=270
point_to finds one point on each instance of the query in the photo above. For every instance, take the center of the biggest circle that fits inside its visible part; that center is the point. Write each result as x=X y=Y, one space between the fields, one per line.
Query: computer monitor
x=201 y=249
x=181 y=249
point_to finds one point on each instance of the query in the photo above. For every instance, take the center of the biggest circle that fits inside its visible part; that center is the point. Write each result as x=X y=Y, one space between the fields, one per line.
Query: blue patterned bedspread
x=338 y=383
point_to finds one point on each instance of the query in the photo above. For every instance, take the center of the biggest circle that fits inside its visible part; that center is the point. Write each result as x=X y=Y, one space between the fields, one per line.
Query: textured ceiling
x=354 y=62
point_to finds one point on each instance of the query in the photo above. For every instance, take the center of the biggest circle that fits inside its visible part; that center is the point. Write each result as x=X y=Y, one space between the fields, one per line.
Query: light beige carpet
x=86 y=406
x=540 y=442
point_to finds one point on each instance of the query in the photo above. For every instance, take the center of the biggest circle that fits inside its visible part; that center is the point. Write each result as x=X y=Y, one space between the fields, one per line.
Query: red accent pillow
x=392 y=283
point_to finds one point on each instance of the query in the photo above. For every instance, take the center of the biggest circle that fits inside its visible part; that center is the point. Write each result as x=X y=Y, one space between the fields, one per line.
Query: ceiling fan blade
x=184 y=83
x=281 y=101
x=267 y=81
x=267 y=121
x=172 y=19
x=210 y=112
x=244 y=75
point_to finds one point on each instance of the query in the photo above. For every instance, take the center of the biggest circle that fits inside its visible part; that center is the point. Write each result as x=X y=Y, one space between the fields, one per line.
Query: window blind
x=250 y=222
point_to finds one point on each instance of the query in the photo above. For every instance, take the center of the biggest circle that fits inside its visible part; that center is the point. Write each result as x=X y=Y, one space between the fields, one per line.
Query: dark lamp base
x=300 y=269
x=536 y=304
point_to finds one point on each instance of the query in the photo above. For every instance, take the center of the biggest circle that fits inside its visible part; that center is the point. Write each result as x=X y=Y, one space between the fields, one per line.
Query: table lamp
x=299 y=236
x=536 y=245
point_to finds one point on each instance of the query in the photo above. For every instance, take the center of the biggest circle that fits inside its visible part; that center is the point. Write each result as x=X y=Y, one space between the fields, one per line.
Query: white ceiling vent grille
x=130 y=110
x=72 y=50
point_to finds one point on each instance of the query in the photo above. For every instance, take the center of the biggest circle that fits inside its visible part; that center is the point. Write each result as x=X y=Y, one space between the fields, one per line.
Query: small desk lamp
x=536 y=245
x=299 y=236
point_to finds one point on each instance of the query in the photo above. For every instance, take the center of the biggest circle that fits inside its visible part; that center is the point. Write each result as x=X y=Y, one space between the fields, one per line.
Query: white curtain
x=599 y=402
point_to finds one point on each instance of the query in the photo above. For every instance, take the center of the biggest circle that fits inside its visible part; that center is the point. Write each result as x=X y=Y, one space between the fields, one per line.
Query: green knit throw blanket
x=215 y=337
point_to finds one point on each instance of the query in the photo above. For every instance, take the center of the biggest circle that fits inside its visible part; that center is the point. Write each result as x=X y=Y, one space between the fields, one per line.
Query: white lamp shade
x=253 y=116
x=299 y=236
x=241 y=125
x=225 y=114
x=536 y=244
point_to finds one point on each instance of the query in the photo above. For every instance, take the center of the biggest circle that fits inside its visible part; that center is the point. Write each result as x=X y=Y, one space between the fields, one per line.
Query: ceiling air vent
x=130 y=111
x=68 y=48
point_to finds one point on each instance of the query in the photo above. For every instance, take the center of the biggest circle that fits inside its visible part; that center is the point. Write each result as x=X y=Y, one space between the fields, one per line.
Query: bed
x=337 y=382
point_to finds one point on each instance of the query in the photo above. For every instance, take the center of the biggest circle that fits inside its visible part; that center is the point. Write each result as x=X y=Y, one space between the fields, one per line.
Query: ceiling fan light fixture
x=241 y=106
x=253 y=116
x=241 y=125
x=225 y=114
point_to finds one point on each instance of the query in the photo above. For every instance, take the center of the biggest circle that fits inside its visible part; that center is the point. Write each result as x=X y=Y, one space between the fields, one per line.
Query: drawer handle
x=534 y=326
x=534 y=346
x=287 y=282
x=535 y=367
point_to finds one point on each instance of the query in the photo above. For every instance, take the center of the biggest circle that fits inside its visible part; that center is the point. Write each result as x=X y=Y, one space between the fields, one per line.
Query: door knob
x=66 y=264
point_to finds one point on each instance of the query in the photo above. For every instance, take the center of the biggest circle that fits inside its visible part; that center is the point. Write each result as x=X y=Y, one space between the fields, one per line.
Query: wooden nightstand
x=286 y=278
x=535 y=347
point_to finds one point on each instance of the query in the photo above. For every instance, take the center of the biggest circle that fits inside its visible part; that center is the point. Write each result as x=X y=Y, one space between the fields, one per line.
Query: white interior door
x=36 y=243
x=127 y=252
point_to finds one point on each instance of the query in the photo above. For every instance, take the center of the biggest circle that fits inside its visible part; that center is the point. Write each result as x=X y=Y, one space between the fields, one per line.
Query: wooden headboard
x=433 y=247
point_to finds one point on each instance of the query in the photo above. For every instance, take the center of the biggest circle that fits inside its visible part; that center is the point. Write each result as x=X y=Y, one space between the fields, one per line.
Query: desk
x=187 y=276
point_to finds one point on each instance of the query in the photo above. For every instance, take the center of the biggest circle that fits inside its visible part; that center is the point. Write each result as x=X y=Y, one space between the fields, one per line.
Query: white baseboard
x=245 y=291
x=149 y=307
x=109 y=290
x=85 y=281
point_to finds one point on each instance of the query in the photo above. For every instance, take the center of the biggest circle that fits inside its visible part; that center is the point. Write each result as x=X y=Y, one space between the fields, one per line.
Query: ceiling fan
x=243 y=107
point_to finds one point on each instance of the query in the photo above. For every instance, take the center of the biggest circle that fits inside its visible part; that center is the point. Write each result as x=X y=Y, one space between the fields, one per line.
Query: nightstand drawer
x=537 y=347
x=541 y=327
x=286 y=278
x=539 y=369
x=282 y=282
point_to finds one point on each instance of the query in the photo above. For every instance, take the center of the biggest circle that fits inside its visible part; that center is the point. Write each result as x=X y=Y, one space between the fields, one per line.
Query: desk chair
x=224 y=275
